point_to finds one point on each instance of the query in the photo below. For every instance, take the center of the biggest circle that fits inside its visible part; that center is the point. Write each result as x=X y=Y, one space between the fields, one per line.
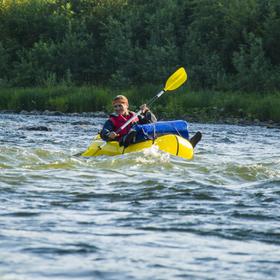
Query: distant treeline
x=225 y=45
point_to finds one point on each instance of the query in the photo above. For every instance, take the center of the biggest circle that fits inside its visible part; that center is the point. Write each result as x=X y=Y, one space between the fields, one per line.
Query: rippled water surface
x=143 y=215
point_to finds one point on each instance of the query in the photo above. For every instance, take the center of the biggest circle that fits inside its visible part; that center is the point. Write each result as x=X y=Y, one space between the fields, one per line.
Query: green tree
x=253 y=69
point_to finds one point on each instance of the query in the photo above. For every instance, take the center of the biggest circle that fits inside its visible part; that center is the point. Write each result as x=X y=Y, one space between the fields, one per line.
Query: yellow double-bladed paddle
x=172 y=83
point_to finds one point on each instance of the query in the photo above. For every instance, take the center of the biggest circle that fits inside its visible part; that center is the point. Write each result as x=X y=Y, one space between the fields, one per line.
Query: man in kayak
x=121 y=115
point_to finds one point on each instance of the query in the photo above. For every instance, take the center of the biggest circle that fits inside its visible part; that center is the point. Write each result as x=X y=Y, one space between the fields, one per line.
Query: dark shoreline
x=190 y=118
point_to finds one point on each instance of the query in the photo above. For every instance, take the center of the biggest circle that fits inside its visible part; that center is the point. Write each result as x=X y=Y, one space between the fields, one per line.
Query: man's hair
x=120 y=99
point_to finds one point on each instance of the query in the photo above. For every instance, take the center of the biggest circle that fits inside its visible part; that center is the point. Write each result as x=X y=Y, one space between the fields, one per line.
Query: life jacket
x=119 y=120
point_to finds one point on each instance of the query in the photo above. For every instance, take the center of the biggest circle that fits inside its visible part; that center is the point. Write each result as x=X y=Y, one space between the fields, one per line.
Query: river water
x=143 y=215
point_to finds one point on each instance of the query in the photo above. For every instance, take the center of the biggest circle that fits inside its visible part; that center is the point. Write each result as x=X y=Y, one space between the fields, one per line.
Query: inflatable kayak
x=172 y=144
x=169 y=137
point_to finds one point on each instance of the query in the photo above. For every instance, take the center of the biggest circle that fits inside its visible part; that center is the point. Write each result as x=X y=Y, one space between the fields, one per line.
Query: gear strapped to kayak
x=153 y=130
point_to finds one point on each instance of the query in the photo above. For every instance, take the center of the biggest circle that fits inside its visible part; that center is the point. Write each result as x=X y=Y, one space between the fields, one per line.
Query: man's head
x=120 y=104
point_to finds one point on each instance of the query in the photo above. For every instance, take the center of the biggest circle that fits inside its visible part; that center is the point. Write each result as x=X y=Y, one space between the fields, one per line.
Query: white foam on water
x=153 y=155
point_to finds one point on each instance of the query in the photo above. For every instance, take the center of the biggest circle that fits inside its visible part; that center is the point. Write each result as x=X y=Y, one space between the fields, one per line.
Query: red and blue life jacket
x=119 y=120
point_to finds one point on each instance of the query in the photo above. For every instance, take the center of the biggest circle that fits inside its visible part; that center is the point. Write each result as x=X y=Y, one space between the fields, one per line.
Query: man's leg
x=196 y=138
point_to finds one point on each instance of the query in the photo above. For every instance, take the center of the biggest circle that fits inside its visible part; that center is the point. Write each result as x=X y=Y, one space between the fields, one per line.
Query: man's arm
x=106 y=130
x=147 y=117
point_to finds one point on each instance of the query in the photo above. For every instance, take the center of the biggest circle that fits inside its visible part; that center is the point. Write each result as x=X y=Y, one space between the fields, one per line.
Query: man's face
x=120 y=108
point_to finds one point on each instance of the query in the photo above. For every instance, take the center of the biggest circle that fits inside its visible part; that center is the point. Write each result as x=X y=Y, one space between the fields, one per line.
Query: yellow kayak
x=172 y=144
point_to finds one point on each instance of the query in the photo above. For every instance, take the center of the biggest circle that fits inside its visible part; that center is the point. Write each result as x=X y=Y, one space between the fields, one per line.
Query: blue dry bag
x=153 y=130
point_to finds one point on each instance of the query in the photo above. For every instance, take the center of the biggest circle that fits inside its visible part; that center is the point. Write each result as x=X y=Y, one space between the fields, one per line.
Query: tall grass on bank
x=202 y=105
x=219 y=105
x=59 y=98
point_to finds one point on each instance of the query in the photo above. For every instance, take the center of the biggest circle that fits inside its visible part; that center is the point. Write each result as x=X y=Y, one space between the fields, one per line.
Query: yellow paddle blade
x=176 y=79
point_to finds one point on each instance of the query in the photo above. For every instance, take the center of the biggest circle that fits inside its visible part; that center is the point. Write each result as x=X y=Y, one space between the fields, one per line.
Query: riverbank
x=191 y=118
x=202 y=106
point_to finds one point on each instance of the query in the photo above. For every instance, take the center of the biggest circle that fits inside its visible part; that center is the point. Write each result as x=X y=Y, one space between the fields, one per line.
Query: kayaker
x=122 y=114
x=119 y=117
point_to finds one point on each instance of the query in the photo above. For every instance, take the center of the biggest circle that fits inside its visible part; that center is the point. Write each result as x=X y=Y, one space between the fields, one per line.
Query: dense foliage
x=224 y=45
